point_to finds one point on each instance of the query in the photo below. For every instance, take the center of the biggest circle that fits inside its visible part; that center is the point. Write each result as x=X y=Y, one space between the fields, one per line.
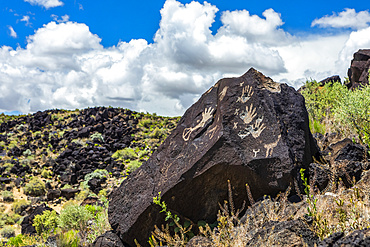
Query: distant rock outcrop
x=358 y=73
x=334 y=78
x=246 y=130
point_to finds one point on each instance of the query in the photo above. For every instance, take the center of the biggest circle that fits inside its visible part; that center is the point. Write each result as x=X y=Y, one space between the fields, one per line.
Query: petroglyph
x=270 y=147
x=236 y=111
x=206 y=115
x=235 y=125
x=256 y=152
x=223 y=93
x=247 y=93
x=256 y=129
x=270 y=85
x=241 y=84
x=212 y=132
x=249 y=114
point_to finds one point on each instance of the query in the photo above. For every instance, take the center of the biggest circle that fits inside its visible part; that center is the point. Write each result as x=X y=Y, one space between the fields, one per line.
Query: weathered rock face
x=246 y=130
x=358 y=73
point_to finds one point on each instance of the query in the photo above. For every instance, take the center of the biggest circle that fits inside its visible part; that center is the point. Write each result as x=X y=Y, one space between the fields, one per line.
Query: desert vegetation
x=33 y=147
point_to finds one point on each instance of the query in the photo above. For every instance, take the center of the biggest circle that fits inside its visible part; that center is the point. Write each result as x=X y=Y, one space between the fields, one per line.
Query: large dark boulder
x=246 y=130
x=285 y=233
x=108 y=239
x=358 y=73
x=26 y=225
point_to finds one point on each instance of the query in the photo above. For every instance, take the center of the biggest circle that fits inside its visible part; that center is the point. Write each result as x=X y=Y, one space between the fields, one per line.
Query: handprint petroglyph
x=206 y=115
x=248 y=115
x=254 y=129
x=247 y=93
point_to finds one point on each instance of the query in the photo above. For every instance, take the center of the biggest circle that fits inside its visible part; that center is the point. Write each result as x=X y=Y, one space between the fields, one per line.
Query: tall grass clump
x=321 y=101
x=353 y=111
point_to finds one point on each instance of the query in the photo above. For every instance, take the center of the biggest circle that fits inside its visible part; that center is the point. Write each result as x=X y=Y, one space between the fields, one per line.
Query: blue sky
x=160 y=56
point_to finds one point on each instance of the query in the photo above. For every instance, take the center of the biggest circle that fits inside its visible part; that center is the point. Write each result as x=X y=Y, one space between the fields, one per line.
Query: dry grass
x=338 y=209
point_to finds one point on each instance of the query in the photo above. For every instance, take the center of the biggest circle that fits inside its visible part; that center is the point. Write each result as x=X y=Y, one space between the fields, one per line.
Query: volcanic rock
x=199 y=241
x=27 y=227
x=108 y=239
x=358 y=73
x=53 y=194
x=331 y=79
x=247 y=130
x=69 y=193
x=285 y=233
x=356 y=238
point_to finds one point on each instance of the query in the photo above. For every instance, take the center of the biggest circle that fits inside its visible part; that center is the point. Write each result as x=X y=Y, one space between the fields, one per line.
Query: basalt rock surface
x=246 y=130
x=358 y=73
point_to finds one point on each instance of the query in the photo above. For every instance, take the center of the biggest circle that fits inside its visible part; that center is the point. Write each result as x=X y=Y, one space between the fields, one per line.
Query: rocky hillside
x=55 y=156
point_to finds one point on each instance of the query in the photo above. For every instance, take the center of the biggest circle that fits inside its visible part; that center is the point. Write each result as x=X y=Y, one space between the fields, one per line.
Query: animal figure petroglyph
x=236 y=111
x=270 y=147
x=206 y=115
x=247 y=93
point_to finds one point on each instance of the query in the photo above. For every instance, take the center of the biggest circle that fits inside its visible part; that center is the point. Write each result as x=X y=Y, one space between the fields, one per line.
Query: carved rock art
x=270 y=147
x=206 y=115
x=224 y=136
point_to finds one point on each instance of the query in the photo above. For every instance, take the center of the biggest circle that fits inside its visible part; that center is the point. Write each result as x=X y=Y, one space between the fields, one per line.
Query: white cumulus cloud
x=26 y=19
x=64 y=65
x=46 y=3
x=348 y=18
x=64 y=18
x=12 y=32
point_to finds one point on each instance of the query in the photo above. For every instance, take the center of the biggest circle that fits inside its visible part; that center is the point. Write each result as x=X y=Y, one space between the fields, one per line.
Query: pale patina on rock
x=248 y=129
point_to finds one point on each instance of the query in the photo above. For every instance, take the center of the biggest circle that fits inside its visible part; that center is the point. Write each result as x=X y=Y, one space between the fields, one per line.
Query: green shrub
x=133 y=165
x=321 y=102
x=23 y=240
x=145 y=123
x=97 y=137
x=7 y=196
x=100 y=224
x=125 y=154
x=2 y=208
x=35 y=187
x=69 y=239
x=27 y=153
x=45 y=222
x=9 y=218
x=74 y=217
x=157 y=133
x=354 y=112
x=20 y=205
x=94 y=209
x=7 y=232
x=46 y=173
x=98 y=173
